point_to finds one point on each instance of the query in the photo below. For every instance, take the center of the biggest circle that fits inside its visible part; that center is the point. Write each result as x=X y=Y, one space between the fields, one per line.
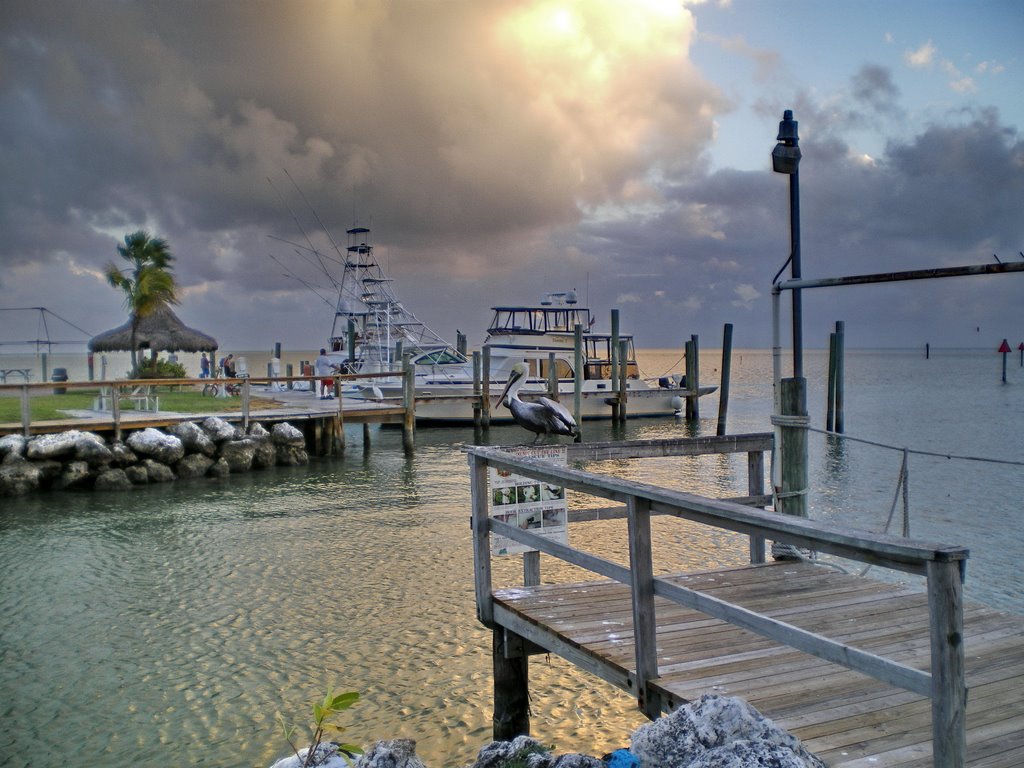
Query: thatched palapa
x=161 y=330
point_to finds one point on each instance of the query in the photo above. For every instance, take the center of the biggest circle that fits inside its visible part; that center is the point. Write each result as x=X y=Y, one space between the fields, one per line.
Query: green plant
x=160 y=369
x=331 y=706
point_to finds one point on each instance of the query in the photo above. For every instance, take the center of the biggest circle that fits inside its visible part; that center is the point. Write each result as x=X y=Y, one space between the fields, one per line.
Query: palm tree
x=147 y=283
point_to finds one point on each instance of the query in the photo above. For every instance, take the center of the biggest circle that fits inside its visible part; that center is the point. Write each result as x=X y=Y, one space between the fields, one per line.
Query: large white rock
x=726 y=724
x=218 y=429
x=193 y=437
x=153 y=443
x=12 y=444
x=285 y=434
x=52 y=446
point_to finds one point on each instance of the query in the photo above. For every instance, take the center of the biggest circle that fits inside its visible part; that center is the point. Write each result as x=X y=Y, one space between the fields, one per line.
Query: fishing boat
x=373 y=330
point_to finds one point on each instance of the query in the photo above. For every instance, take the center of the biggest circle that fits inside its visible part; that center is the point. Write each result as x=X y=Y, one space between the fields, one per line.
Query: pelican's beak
x=516 y=376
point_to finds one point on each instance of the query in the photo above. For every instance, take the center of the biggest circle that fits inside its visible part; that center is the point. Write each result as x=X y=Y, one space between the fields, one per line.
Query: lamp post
x=786 y=159
x=790 y=476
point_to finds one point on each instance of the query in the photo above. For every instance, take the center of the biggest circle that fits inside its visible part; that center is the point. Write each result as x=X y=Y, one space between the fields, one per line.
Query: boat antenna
x=304 y=233
x=312 y=210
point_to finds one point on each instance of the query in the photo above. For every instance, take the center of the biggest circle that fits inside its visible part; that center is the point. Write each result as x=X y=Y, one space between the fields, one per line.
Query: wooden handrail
x=943 y=567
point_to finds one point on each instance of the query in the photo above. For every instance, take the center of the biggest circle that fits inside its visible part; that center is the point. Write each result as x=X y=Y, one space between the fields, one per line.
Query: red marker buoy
x=1004 y=349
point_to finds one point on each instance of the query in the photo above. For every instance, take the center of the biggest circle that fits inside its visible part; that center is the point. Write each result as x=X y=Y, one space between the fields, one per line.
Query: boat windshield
x=538 y=320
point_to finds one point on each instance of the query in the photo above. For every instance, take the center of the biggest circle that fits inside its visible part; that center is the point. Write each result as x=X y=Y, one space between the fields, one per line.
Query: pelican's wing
x=558 y=413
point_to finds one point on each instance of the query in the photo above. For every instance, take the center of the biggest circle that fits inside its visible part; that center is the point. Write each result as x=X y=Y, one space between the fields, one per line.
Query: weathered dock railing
x=942 y=566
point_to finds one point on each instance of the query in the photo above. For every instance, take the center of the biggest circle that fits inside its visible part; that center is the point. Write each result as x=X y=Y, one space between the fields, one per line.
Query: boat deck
x=844 y=717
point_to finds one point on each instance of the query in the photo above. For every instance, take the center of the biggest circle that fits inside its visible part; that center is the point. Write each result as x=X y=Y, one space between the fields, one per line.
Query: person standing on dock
x=325 y=370
x=204 y=367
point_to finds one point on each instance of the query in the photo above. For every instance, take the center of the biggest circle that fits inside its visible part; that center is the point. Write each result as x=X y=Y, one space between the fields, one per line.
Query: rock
x=123 y=455
x=136 y=474
x=218 y=429
x=112 y=480
x=153 y=443
x=194 y=438
x=750 y=754
x=49 y=471
x=192 y=466
x=238 y=454
x=327 y=756
x=397 y=753
x=18 y=476
x=75 y=473
x=291 y=455
x=286 y=434
x=713 y=722
x=522 y=750
x=219 y=468
x=52 y=446
x=157 y=472
x=92 y=449
x=12 y=444
x=265 y=455
x=257 y=430
x=577 y=761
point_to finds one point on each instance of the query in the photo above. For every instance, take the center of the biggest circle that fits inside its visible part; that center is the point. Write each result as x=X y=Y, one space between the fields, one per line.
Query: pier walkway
x=864 y=672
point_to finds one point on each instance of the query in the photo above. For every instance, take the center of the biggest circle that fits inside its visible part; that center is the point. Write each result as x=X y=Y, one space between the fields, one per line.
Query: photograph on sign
x=529 y=504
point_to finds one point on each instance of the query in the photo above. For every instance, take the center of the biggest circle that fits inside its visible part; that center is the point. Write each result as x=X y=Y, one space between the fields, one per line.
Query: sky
x=502 y=150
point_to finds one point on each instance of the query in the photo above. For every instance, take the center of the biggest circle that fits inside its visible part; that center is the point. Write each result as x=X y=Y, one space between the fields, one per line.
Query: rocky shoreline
x=712 y=732
x=84 y=460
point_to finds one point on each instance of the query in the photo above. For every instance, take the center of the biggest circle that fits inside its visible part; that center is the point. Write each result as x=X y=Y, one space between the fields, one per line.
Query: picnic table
x=25 y=373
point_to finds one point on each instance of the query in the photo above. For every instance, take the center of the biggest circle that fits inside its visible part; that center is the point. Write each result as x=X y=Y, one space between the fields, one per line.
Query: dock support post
x=840 y=373
x=792 y=496
x=614 y=354
x=288 y=373
x=245 y=405
x=511 y=686
x=694 y=384
x=723 y=387
x=552 y=377
x=531 y=568
x=366 y=435
x=26 y=412
x=830 y=393
x=485 y=387
x=115 y=411
x=755 y=487
x=409 y=403
x=949 y=687
x=623 y=379
x=477 y=405
x=688 y=374
x=338 y=427
x=577 y=376
x=641 y=566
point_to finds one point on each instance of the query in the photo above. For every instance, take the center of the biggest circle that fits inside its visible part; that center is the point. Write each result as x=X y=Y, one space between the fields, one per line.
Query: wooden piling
x=485 y=389
x=409 y=403
x=338 y=424
x=289 y=372
x=477 y=404
x=695 y=386
x=723 y=387
x=830 y=392
x=793 y=496
x=511 y=686
x=366 y=435
x=552 y=377
x=614 y=361
x=623 y=397
x=577 y=376
x=840 y=373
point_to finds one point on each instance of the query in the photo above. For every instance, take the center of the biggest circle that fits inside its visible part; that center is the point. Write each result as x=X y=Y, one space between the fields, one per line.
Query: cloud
x=921 y=57
x=746 y=294
x=873 y=87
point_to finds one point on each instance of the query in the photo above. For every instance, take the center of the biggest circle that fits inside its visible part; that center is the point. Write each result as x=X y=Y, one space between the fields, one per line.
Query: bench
x=141 y=398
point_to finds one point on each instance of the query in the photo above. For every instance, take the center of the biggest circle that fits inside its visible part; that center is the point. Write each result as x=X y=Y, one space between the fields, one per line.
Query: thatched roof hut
x=161 y=330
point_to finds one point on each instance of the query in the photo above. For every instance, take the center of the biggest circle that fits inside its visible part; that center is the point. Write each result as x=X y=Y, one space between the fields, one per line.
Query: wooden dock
x=864 y=672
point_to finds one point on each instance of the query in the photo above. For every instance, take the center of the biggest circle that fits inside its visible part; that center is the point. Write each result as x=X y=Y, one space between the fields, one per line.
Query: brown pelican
x=545 y=417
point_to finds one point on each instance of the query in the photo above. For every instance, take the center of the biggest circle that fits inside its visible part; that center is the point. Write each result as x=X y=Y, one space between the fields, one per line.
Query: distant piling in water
x=723 y=388
x=834 y=417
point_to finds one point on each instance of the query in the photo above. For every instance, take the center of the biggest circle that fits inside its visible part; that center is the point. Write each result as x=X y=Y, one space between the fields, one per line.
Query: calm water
x=167 y=625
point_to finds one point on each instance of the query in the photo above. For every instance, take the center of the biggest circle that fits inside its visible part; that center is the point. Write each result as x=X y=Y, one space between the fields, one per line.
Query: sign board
x=532 y=505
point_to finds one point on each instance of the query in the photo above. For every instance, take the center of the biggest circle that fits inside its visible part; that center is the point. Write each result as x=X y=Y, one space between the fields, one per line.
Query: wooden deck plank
x=845 y=717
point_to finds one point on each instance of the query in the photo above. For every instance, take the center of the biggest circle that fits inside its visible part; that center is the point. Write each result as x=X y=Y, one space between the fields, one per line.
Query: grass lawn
x=50 y=406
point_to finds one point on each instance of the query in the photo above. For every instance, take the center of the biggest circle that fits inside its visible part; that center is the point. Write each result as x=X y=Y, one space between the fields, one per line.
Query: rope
x=935 y=454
